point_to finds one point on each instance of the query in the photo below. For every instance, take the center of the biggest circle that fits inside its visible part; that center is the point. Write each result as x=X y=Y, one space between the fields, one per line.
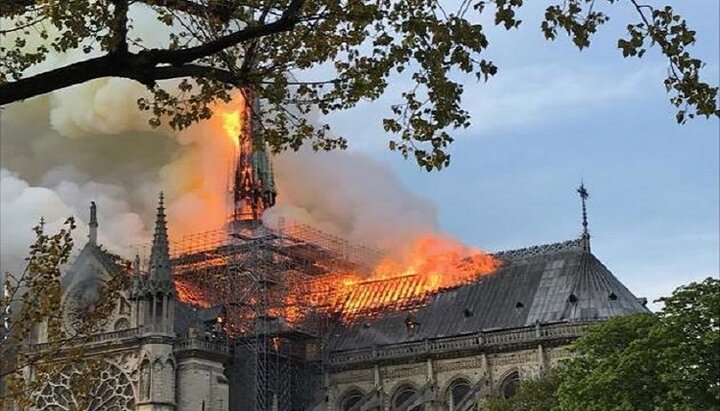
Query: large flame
x=405 y=281
x=232 y=125
x=198 y=181
x=432 y=263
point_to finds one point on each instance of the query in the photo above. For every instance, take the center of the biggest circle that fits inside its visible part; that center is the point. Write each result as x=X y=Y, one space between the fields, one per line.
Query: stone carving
x=352 y=376
x=514 y=358
x=404 y=371
x=145 y=380
x=467 y=364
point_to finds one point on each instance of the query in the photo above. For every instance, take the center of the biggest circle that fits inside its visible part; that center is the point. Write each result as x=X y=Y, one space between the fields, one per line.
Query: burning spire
x=253 y=184
x=584 y=195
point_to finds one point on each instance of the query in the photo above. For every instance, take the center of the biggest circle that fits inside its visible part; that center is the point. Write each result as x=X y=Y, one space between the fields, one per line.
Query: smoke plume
x=91 y=143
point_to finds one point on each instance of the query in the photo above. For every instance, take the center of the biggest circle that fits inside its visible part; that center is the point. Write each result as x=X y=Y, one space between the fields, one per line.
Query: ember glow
x=432 y=264
x=232 y=125
x=304 y=276
x=405 y=281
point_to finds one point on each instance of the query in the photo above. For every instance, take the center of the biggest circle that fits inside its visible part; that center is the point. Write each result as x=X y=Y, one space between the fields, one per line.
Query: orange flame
x=232 y=125
x=406 y=281
x=432 y=264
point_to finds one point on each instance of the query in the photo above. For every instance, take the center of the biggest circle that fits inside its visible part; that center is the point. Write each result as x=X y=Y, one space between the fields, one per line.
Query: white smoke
x=91 y=143
x=351 y=195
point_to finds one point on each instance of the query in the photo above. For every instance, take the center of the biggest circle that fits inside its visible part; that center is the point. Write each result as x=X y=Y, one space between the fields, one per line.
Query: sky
x=551 y=118
x=554 y=116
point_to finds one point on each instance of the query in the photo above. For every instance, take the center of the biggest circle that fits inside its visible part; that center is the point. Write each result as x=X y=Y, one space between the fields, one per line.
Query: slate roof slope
x=558 y=282
x=187 y=316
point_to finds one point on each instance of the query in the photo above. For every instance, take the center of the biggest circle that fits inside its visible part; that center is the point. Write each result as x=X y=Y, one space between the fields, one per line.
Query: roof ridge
x=541 y=249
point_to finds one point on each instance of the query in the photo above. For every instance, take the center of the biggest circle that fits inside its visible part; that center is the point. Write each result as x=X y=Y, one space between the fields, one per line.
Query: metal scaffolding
x=266 y=279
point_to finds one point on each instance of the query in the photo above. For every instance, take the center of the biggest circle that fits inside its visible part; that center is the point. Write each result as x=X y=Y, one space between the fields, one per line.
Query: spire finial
x=42 y=224
x=160 y=252
x=584 y=195
x=93 y=224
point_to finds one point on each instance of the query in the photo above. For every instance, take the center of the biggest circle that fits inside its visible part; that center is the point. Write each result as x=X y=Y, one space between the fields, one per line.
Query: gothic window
x=121 y=324
x=457 y=392
x=509 y=385
x=79 y=306
x=403 y=394
x=350 y=399
x=112 y=391
x=123 y=306
x=158 y=383
x=145 y=380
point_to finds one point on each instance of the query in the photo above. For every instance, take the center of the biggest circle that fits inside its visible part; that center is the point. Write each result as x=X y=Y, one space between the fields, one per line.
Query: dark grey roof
x=551 y=283
x=190 y=316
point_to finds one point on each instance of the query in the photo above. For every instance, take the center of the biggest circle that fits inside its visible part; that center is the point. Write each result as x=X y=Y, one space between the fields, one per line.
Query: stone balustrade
x=480 y=341
x=202 y=344
x=93 y=339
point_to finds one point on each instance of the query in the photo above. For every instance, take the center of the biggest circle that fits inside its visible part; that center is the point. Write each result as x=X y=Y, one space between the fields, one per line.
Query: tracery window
x=457 y=392
x=350 y=399
x=112 y=391
x=403 y=394
x=509 y=385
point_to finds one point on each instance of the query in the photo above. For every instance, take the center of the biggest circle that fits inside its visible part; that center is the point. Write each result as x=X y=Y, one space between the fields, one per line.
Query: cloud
x=540 y=94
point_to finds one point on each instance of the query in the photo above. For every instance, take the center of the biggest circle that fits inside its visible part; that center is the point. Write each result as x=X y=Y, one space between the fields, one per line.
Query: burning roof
x=269 y=273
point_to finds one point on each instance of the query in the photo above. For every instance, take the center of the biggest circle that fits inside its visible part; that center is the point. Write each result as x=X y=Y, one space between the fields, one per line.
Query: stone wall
x=484 y=372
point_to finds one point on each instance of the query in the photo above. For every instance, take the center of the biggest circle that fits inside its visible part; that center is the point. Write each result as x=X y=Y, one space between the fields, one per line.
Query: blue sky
x=554 y=115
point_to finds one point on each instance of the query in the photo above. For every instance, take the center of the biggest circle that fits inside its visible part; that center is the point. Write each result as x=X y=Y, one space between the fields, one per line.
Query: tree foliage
x=329 y=55
x=32 y=301
x=532 y=395
x=644 y=362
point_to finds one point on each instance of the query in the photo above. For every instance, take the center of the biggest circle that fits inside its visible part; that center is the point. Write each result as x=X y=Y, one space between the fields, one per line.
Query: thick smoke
x=91 y=143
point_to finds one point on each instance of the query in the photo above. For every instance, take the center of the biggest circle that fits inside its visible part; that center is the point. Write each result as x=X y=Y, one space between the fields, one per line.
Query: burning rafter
x=316 y=285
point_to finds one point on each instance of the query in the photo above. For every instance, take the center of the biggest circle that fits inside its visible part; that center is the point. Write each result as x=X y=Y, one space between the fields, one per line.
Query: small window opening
x=411 y=323
x=573 y=298
x=612 y=296
x=468 y=313
x=519 y=305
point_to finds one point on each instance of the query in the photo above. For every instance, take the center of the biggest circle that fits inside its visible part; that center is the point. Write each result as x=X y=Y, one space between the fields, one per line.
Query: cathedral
x=235 y=324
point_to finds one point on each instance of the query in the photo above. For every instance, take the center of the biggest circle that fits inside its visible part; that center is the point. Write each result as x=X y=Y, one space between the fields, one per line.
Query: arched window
x=121 y=324
x=350 y=399
x=457 y=392
x=509 y=385
x=403 y=394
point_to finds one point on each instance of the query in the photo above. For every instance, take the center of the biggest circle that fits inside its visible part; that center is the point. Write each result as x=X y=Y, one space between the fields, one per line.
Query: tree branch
x=146 y=66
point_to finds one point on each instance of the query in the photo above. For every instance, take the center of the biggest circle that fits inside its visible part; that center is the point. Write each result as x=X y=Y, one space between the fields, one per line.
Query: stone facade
x=445 y=375
x=147 y=363
x=464 y=345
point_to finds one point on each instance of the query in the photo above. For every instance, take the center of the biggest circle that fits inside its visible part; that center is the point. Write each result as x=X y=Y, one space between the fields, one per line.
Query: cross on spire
x=584 y=195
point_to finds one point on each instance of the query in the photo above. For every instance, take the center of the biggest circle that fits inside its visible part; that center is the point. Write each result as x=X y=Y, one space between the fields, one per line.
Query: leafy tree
x=32 y=300
x=532 y=395
x=644 y=362
x=215 y=47
x=669 y=361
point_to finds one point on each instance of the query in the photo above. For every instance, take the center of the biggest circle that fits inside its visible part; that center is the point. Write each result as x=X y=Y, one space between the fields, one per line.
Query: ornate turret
x=154 y=291
x=253 y=182
x=160 y=252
